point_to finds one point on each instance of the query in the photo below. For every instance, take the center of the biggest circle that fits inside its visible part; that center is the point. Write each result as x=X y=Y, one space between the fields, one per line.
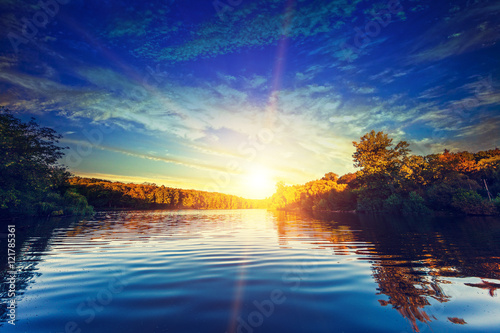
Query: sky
x=233 y=96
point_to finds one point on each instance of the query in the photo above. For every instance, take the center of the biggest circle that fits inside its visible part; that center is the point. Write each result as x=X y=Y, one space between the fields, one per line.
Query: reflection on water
x=413 y=260
x=256 y=271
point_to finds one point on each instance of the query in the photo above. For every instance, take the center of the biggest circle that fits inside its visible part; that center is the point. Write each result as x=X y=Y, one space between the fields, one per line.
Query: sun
x=259 y=182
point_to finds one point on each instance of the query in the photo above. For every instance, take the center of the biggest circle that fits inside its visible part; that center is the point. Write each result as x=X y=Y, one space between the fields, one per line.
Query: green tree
x=32 y=182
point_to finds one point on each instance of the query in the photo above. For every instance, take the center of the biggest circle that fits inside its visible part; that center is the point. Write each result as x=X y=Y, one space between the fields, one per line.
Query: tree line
x=391 y=180
x=33 y=183
x=106 y=194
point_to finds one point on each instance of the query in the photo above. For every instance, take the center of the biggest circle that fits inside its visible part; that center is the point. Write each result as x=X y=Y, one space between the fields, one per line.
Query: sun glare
x=260 y=183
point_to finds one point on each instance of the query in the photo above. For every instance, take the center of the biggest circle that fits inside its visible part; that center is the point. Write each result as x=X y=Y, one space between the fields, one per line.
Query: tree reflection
x=413 y=262
x=491 y=287
x=33 y=237
x=411 y=259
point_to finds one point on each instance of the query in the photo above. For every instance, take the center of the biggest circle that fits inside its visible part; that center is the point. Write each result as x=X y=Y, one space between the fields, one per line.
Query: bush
x=370 y=204
x=321 y=205
x=415 y=205
x=471 y=203
x=342 y=200
x=393 y=204
x=372 y=199
x=52 y=202
x=76 y=204
x=440 y=196
x=71 y=203
x=496 y=202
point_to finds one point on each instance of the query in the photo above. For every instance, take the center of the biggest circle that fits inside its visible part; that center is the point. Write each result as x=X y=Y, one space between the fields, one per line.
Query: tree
x=348 y=178
x=374 y=153
x=382 y=171
x=392 y=180
x=32 y=181
x=330 y=176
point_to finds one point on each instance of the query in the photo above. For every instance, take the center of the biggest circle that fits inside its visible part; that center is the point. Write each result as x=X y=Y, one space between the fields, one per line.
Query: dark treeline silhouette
x=392 y=180
x=105 y=194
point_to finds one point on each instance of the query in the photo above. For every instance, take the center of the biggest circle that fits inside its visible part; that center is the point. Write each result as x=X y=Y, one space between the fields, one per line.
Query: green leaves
x=31 y=180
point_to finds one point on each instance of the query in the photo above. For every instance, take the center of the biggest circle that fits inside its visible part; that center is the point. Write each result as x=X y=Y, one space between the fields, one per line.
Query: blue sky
x=235 y=95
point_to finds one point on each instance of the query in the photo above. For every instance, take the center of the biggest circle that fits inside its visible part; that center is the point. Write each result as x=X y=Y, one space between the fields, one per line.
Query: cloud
x=37 y=85
x=173 y=160
x=242 y=28
x=257 y=81
x=466 y=30
x=389 y=75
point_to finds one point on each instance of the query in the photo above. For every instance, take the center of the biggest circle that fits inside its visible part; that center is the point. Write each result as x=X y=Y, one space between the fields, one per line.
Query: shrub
x=440 y=196
x=76 y=204
x=342 y=200
x=471 y=203
x=372 y=199
x=370 y=204
x=52 y=202
x=496 y=202
x=71 y=203
x=393 y=204
x=415 y=205
x=321 y=205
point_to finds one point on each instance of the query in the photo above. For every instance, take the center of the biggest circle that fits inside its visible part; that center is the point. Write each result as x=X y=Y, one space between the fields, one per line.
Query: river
x=253 y=271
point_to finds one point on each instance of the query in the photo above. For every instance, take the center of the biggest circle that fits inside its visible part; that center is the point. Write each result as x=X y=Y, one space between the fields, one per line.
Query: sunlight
x=259 y=182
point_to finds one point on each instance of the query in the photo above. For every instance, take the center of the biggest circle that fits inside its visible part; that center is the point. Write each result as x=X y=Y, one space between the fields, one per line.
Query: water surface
x=256 y=271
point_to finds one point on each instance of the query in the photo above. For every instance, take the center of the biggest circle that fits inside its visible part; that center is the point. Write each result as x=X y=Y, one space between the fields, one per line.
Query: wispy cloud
x=227 y=99
x=244 y=29
x=173 y=160
x=466 y=30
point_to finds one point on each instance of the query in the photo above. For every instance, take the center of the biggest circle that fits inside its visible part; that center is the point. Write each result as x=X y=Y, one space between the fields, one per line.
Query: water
x=255 y=271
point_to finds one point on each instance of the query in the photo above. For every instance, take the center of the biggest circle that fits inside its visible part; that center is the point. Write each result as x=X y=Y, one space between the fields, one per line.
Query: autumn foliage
x=392 y=180
x=106 y=194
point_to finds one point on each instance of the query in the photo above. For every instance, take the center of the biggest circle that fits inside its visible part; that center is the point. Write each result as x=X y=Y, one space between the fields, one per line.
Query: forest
x=391 y=180
x=33 y=183
x=106 y=194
